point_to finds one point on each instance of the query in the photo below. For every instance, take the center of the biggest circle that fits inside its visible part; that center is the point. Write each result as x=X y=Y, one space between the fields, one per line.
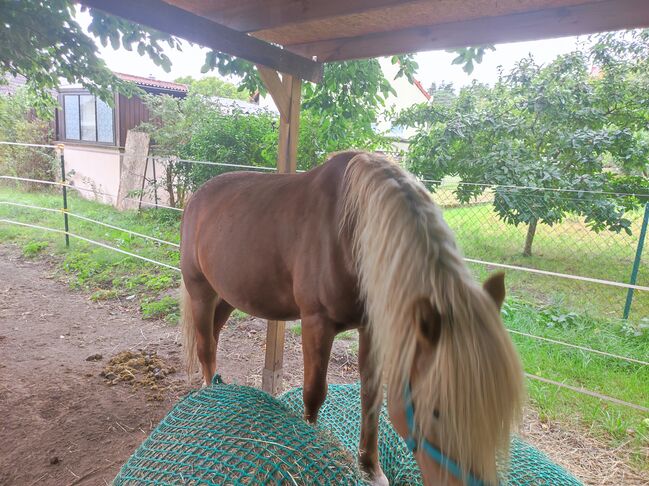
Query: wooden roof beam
x=595 y=16
x=253 y=15
x=161 y=16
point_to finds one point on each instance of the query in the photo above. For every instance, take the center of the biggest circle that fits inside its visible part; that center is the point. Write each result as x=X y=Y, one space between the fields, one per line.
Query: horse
x=357 y=243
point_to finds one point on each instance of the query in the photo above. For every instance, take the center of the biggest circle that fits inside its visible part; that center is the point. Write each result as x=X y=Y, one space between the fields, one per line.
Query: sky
x=434 y=66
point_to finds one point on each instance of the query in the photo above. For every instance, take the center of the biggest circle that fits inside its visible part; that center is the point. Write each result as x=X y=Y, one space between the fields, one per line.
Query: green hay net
x=341 y=414
x=230 y=434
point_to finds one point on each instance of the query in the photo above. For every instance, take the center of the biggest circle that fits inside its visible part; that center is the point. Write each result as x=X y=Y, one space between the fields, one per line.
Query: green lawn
x=575 y=312
x=103 y=272
x=605 y=375
x=568 y=247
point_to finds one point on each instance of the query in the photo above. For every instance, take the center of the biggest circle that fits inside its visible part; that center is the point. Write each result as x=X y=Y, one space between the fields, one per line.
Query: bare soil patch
x=71 y=413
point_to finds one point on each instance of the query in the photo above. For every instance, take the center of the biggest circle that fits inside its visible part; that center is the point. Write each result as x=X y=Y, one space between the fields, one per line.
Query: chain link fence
x=568 y=246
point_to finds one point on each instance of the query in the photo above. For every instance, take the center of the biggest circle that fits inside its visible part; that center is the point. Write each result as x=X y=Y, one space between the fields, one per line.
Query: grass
x=575 y=312
x=34 y=248
x=568 y=247
x=102 y=272
x=238 y=315
x=296 y=329
x=605 y=375
x=166 y=308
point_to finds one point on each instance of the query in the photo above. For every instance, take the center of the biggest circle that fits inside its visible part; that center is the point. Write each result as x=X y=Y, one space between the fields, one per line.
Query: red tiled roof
x=153 y=83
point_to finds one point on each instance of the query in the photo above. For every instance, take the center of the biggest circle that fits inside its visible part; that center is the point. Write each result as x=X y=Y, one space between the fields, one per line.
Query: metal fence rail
x=499 y=245
x=88 y=240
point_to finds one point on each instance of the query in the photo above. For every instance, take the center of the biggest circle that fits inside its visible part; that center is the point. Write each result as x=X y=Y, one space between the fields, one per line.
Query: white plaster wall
x=94 y=170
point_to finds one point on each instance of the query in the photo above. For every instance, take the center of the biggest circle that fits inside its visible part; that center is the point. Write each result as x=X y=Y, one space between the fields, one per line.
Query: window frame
x=63 y=133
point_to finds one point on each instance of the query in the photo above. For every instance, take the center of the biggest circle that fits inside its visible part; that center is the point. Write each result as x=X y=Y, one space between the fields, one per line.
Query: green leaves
x=407 y=66
x=468 y=56
x=43 y=42
x=555 y=127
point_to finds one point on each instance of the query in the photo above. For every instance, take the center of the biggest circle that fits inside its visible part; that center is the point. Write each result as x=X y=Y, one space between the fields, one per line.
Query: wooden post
x=286 y=94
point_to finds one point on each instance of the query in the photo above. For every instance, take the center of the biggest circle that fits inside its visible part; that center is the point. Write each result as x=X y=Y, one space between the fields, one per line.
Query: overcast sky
x=434 y=66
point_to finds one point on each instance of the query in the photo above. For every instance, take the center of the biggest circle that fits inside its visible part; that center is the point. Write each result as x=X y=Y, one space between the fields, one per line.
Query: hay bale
x=341 y=415
x=230 y=434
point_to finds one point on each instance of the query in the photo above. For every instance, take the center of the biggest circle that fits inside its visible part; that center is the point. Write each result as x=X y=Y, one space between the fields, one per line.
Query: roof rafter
x=254 y=15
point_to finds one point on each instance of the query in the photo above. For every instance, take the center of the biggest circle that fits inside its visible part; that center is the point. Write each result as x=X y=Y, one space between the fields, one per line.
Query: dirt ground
x=63 y=423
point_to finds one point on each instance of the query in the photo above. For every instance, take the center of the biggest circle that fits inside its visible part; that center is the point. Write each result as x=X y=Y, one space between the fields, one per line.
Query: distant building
x=84 y=119
x=94 y=133
x=11 y=84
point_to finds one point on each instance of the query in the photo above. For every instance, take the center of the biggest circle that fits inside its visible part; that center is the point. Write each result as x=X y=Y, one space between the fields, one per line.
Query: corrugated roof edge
x=153 y=83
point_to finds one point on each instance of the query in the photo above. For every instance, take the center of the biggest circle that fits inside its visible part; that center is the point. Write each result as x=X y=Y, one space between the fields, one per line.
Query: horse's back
x=259 y=239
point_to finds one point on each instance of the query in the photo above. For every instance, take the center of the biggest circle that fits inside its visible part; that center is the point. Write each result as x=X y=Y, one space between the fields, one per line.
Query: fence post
x=61 y=149
x=146 y=167
x=636 y=262
x=155 y=185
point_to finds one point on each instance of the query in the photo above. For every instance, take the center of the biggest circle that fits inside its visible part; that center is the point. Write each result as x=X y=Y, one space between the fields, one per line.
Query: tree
x=43 y=42
x=199 y=128
x=339 y=113
x=622 y=64
x=548 y=127
x=444 y=94
x=213 y=86
x=342 y=111
x=18 y=123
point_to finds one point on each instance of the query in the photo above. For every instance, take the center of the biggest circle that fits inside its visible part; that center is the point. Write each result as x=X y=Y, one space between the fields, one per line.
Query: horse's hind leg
x=221 y=315
x=317 y=337
x=203 y=303
x=371 y=395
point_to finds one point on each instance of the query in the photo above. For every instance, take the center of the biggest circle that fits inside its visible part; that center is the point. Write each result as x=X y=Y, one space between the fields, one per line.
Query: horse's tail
x=189 y=331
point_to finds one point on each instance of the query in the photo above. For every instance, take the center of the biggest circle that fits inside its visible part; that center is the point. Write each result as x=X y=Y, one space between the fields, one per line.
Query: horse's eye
x=436 y=413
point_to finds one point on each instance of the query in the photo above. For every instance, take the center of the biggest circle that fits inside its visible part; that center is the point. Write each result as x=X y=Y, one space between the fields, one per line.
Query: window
x=87 y=118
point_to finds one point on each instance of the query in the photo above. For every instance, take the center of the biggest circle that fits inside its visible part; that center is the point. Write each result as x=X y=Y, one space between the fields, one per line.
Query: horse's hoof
x=375 y=476
x=378 y=478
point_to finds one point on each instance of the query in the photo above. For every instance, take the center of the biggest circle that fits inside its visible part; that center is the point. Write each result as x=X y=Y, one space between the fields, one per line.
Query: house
x=86 y=120
x=94 y=133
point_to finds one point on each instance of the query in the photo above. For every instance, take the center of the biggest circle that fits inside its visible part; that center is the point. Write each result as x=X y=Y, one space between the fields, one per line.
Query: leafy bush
x=19 y=123
x=197 y=128
x=339 y=113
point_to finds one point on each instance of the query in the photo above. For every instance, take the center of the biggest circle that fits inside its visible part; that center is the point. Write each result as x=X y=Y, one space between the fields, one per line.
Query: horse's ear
x=429 y=323
x=495 y=287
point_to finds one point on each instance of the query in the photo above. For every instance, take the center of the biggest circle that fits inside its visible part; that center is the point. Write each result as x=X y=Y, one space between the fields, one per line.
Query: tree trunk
x=531 y=231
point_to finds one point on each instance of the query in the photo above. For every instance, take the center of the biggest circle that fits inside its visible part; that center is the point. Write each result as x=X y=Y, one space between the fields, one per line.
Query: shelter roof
x=296 y=36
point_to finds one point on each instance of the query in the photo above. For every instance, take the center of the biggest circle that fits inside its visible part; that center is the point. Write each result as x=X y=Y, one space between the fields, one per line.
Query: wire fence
x=569 y=246
x=568 y=251
x=566 y=242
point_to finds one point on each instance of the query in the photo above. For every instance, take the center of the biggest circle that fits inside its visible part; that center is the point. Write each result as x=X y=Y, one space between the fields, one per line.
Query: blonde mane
x=404 y=252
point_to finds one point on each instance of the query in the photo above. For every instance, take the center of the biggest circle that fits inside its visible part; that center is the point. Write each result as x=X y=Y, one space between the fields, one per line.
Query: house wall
x=94 y=170
x=130 y=113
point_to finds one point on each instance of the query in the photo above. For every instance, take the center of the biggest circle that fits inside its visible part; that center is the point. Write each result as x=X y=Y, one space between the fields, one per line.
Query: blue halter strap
x=433 y=452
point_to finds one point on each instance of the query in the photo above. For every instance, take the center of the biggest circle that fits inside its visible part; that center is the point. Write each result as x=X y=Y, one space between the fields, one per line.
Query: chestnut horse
x=358 y=243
